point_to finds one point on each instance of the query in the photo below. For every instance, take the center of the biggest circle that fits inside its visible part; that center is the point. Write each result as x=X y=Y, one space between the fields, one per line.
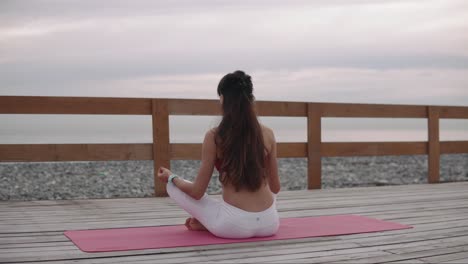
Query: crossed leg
x=203 y=211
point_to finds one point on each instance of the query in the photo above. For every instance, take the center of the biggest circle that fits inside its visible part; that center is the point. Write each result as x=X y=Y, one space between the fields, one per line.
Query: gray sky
x=368 y=51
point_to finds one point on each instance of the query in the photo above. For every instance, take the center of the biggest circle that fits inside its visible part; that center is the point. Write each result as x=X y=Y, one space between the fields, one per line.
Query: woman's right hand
x=163 y=174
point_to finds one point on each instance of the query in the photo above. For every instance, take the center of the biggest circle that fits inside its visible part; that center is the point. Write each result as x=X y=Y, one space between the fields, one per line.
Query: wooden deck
x=32 y=231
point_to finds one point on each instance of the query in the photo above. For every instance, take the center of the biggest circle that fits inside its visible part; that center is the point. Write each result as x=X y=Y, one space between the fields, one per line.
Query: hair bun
x=236 y=83
x=244 y=81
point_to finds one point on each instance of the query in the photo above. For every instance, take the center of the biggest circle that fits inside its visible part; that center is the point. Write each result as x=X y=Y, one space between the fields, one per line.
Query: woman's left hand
x=163 y=174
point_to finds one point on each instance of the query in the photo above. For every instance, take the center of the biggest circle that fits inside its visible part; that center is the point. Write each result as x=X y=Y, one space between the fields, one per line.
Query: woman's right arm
x=272 y=164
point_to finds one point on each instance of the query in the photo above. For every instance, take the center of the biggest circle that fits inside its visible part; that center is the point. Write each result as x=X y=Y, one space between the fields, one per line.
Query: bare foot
x=187 y=223
x=193 y=224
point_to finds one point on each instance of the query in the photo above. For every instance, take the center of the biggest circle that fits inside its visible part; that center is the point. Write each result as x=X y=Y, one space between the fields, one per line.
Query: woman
x=244 y=153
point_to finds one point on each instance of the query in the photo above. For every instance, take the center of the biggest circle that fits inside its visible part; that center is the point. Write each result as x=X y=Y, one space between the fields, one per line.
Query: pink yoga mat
x=154 y=237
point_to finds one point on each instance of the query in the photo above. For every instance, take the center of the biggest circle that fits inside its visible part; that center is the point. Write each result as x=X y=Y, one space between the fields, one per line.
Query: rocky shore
x=81 y=180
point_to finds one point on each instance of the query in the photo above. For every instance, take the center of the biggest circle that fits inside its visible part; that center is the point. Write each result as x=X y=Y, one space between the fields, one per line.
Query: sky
x=358 y=51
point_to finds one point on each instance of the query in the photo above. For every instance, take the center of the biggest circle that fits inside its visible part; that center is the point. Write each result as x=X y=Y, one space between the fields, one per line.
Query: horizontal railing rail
x=161 y=151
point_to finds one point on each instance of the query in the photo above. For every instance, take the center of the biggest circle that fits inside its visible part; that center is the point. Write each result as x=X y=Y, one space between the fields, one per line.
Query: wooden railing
x=162 y=151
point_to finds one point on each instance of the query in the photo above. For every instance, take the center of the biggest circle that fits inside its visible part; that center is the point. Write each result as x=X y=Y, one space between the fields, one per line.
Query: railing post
x=161 y=155
x=434 y=144
x=314 y=141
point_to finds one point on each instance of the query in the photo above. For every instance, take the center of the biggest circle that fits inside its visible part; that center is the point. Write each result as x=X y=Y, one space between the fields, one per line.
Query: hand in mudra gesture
x=163 y=174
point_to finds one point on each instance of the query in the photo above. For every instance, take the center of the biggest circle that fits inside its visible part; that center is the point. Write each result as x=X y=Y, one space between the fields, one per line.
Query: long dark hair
x=239 y=136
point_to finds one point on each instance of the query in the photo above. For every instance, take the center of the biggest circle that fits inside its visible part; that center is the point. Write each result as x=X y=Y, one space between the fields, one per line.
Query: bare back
x=261 y=199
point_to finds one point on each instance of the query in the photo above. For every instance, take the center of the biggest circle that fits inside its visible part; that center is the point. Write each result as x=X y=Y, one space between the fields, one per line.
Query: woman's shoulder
x=267 y=131
x=269 y=138
x=265 y=128
x=212 y=131
x=211 y=134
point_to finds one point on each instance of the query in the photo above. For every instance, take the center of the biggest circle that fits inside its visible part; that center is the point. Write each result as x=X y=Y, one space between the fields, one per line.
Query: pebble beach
x=117 y=179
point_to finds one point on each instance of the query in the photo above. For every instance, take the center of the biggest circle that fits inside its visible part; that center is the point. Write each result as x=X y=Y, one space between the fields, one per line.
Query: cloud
x=56 y=9
x=360 y=51
x=396 y=86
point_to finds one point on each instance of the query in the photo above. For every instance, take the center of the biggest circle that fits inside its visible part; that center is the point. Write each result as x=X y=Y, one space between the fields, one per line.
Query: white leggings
x=225 y=220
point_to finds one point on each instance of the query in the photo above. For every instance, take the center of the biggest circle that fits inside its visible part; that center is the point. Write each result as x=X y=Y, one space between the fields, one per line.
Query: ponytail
x=239 y=136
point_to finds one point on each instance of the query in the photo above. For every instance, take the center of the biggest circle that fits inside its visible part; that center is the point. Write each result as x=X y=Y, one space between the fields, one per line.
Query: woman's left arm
x=198 y=188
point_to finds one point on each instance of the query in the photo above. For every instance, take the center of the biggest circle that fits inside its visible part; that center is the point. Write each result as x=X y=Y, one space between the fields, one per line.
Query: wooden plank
x=437 y=258
x=282 y=255
x=36 y=245
x=412 y=196
x=456 y=261
x=453 y=147
x=433 y=145
x=408 y=261
x=158 y=255
x=363 y=194
x=142 y=106
x=161 y=146
x=411 y=255
x=439 y=223
x=193 y=107
x=354 y=255
x=272 y=108
x=412 y=190
x=400 y=211
x=389 y=195
x=314 y=139
x=336 y=149
x=453 y=111
x=192 y=151
x=292 y=150
x=74 y=152
x=212 y=107
x=74 y=105
x=373 y=110
x=313 y=255
x=16 y=215
x=379 y=207
x=186 y=151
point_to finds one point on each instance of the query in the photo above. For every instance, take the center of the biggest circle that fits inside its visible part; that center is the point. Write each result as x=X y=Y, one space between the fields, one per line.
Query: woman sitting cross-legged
x=244 y=153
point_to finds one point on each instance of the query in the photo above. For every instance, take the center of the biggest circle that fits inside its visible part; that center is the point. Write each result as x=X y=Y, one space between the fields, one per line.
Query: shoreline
x=118 y=179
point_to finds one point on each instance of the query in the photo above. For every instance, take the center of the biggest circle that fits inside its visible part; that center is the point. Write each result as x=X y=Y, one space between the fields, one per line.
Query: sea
x=57 y=129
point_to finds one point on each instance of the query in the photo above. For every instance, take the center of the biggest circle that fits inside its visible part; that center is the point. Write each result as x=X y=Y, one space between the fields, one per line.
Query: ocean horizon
x=50 y=129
